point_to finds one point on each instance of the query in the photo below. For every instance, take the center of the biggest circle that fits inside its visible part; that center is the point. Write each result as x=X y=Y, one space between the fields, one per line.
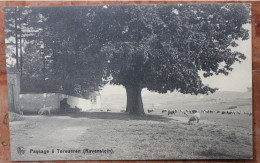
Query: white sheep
x=194 y=117
x=44 y=110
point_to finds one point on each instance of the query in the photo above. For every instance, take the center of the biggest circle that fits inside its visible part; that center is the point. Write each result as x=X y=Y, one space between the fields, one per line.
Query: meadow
x=156 y=136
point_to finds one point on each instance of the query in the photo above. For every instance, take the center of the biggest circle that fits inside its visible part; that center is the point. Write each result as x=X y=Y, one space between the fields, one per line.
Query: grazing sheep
x=211 y=111
x=248 y=113
x=198 y=116
x=44 y=110
x=194 y=111
x=185 y=114
x=164 y=110
x=171 y=112
x=232 y=107
x=108 y=110
x=150 y=110
x=194 y=117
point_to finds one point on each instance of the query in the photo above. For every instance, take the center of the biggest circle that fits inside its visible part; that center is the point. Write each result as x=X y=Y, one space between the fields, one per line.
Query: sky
x=238 y=80
x=241 y=77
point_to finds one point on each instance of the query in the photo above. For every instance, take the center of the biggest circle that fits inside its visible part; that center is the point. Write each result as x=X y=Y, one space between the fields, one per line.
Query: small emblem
x=20 y=150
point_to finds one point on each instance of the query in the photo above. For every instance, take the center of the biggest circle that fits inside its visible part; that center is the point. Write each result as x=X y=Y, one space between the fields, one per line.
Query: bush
x=15 y=117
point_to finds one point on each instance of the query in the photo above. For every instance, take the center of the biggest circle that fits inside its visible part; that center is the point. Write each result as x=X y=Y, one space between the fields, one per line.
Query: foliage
x=170 y=45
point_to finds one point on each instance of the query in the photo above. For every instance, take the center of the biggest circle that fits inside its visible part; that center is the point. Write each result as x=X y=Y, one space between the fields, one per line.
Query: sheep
x=164 y=110
x=247 y=113
x=194 y=111
x=232 y=107
x=210 y=111
x=108 y=110
x=185 y=113
x=193 y=118
x=171 y=112
x=150 y=110
x=44 y=110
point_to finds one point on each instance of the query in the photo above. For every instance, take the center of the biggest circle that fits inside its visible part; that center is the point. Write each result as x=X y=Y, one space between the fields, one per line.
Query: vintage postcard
x=130 y=82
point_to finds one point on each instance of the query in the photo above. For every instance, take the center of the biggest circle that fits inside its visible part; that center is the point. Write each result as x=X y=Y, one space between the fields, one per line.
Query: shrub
x=15 y=117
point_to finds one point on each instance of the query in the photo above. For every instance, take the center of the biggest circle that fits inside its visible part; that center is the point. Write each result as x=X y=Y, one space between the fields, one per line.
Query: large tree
x=165 y=47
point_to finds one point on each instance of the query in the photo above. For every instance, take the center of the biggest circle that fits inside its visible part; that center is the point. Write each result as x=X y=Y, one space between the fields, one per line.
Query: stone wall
x=32 y=103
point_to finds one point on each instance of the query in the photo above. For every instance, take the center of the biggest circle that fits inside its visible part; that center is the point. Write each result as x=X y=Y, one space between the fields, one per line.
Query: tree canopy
x=158 y=47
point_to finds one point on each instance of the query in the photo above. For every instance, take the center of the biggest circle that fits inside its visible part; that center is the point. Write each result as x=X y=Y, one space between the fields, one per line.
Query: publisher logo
x=20 y=150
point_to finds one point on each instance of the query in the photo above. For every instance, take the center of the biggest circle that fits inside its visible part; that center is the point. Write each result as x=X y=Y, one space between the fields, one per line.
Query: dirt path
x=45 y=133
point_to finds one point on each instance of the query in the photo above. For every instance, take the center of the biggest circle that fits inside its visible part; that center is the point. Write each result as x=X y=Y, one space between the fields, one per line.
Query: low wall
x=32 y=103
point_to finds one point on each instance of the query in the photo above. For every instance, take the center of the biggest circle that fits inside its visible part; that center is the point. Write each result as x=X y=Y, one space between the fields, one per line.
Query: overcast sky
x=238 y=80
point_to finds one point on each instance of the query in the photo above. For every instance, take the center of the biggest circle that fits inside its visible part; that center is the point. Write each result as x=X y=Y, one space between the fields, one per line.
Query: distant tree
x=20 y=32
x=11 y=26
x=53 y=60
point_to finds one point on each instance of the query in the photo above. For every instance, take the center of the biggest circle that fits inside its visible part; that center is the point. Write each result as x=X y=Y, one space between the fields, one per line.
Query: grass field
x=154 y=136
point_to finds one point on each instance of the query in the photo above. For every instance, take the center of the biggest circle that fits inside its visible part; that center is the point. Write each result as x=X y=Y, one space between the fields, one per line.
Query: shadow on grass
x=210 y=153
x=118 y=116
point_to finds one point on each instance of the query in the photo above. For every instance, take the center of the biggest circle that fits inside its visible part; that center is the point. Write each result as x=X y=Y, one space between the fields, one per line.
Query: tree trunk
x=21 y=56
x=16 y=40
x=134 y=100
x=21 y=48
x=44 y=71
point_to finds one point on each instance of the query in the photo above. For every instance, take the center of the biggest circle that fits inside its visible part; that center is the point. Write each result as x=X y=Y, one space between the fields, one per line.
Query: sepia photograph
x=130 y=82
